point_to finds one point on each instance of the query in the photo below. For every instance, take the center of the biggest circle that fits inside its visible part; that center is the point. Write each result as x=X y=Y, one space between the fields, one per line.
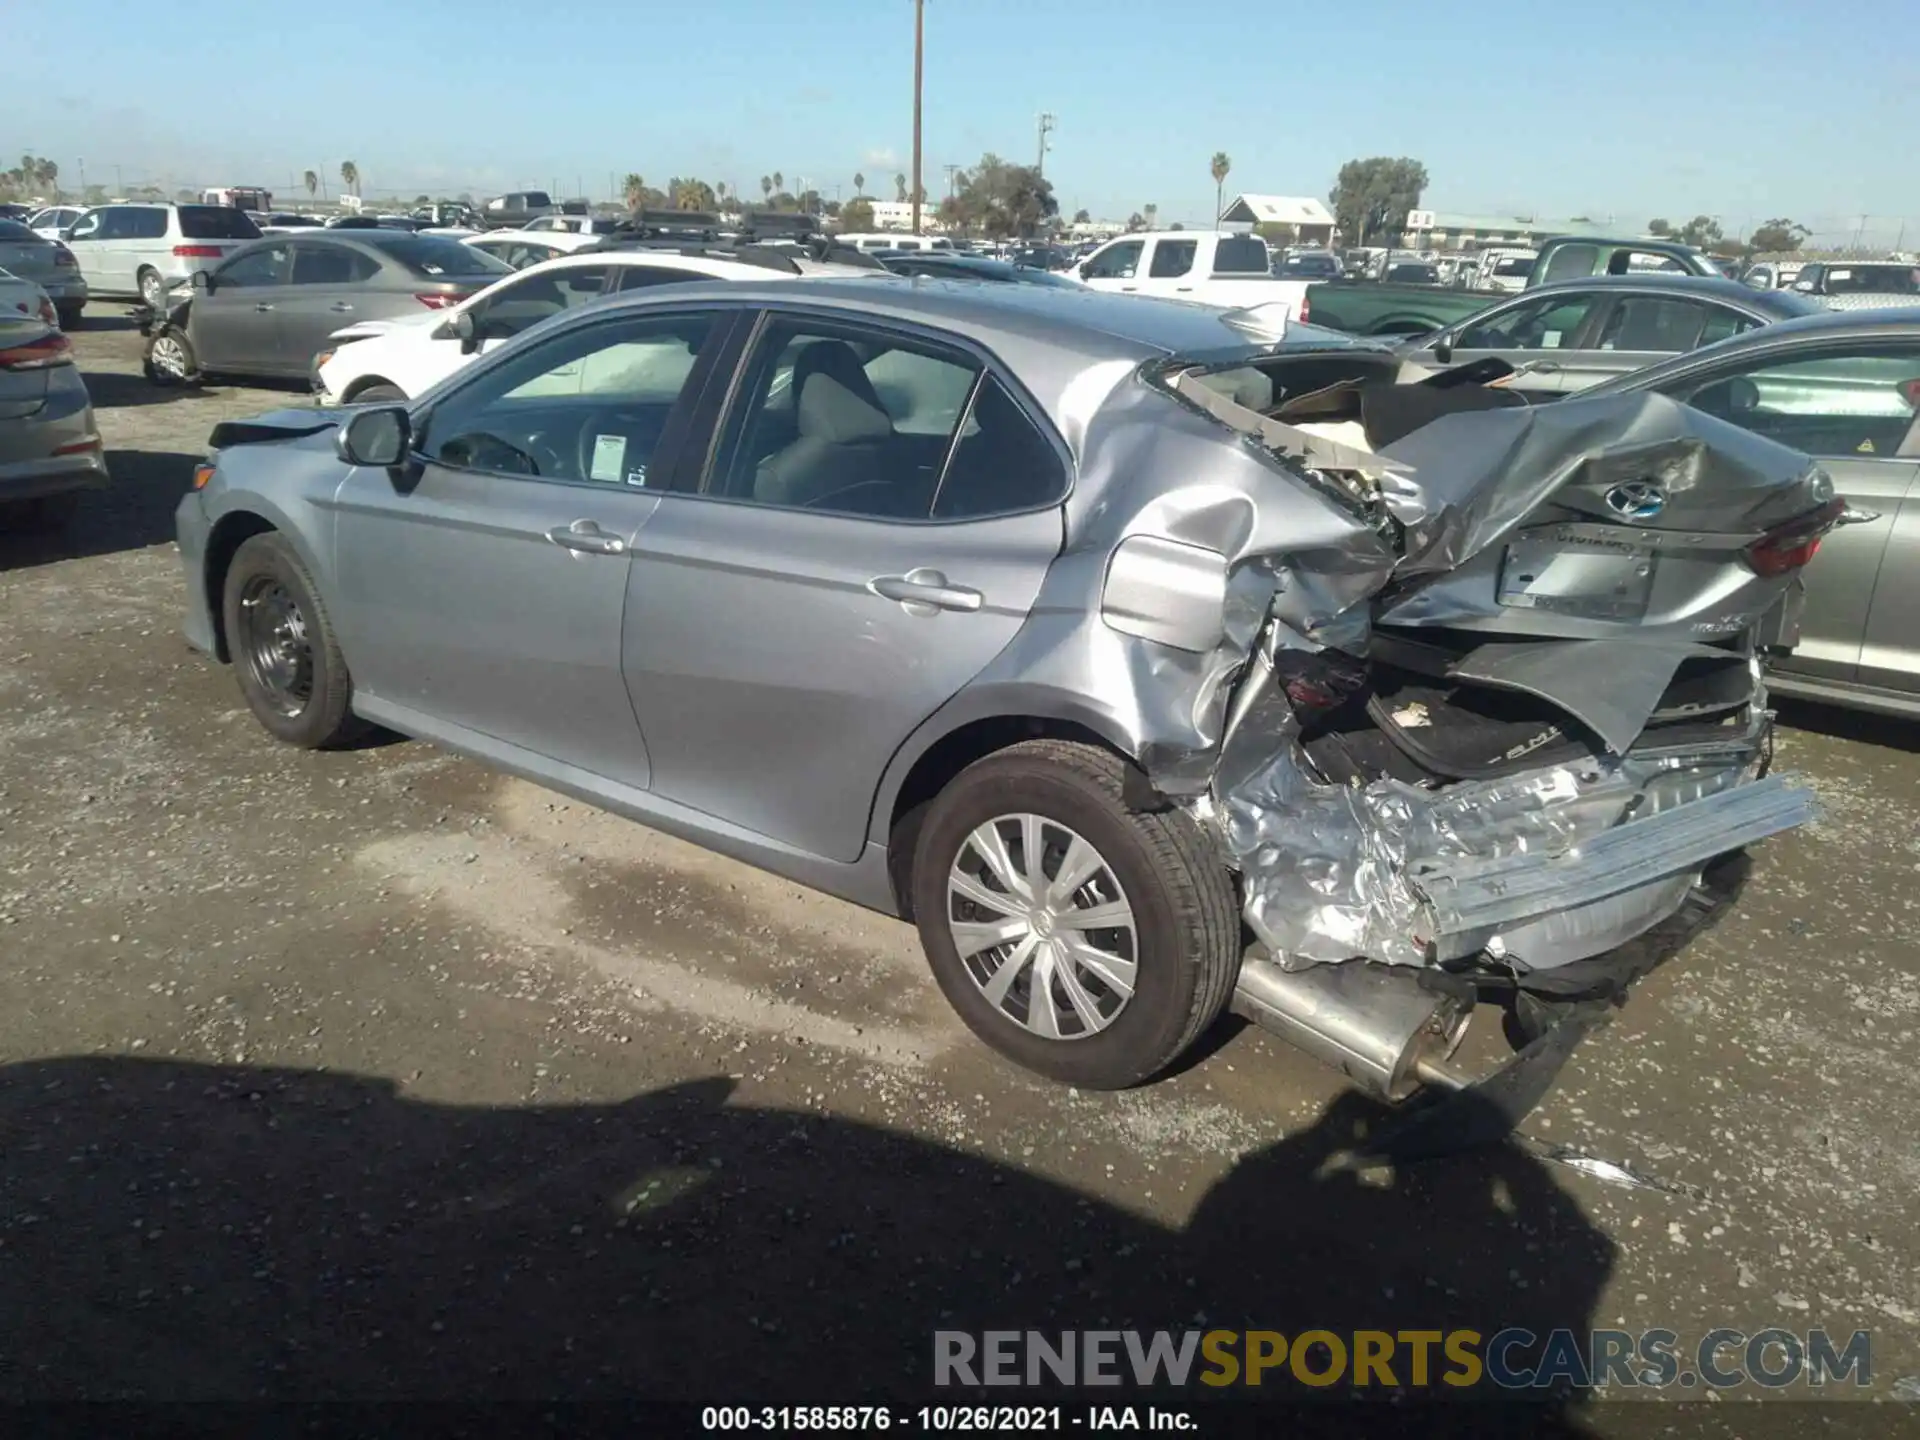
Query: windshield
x=438 y=257
x=217 y=222
x=1241 y=255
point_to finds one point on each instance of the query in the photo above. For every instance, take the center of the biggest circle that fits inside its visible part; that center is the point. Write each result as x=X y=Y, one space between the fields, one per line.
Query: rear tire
x=1171 y=881
x=379 y=395
x=285 y=653
x=153 y=290
x=69 y=315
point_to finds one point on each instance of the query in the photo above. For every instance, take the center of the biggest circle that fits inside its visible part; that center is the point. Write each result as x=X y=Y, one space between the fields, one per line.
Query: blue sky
x=1629 y=108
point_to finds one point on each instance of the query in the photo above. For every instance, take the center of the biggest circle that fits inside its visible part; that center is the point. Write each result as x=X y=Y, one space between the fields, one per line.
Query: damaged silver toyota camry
x=1149 y=666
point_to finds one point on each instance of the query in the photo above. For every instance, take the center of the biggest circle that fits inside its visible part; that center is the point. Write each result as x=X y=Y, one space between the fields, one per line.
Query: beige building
x=1312 y=222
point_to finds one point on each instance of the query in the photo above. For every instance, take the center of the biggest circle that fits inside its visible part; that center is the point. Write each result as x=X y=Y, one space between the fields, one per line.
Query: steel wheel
x=1042 y=926
x=169 y=357
x=274 y=646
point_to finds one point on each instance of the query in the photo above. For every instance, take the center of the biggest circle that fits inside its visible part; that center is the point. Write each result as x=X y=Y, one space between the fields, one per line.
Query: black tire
x=1176 y=880
x=319 y=714
x=379 y=395
x=70 y=315
x=153 y=289
x=189 y=370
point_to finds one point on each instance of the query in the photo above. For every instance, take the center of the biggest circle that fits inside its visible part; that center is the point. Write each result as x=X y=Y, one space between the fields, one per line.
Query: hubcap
x=1042 y=926
x=275 y=647
x=168 y=356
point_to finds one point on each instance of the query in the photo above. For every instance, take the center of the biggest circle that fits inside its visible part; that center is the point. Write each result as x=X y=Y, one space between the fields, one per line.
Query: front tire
x=289 y=664
x=1085 y=941
x=170 y=359
x=379 y=395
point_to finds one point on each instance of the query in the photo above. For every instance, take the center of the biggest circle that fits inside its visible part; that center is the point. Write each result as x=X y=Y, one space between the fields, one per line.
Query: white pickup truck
x=1213 y=268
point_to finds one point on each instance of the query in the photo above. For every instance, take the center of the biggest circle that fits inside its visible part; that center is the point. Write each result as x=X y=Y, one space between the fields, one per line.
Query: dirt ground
x=377 y=1074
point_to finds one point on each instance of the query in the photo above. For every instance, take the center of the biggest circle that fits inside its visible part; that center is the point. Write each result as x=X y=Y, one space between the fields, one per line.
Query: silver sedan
x=47 y=263
x=50 y=449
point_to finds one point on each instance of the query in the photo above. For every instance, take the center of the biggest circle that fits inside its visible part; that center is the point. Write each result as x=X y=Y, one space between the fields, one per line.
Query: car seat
x=843 y=431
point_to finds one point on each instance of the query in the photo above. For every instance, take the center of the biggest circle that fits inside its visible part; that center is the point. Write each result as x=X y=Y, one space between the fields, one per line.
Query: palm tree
x=1221 y=165
x=900 y=188
x=636 y=191
x=859 y=184
x=312 y=181
x=779 y=182
x=350 y=176
x=766 y=186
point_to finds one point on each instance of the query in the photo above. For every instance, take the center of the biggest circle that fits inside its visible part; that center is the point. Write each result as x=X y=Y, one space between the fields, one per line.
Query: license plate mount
x=1590 y=578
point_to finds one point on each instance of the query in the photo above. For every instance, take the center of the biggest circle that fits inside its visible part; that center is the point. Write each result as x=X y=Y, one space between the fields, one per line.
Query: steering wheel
x=482 y=451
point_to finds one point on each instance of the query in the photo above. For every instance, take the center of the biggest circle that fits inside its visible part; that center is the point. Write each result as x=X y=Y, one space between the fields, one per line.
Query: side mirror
x=1084 y=271
x=1442 y=347
x=66 y=232
x=201 y=280
x=466 y=331
x=377 y=438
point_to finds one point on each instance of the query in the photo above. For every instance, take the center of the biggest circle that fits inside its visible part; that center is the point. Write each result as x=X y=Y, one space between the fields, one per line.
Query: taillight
x=1306 y=304
x=440 y=301
x=39 y=354
x=49 y=315
x=198 y=252
x=1910 y=392
x=63 y=256
x=1790 y=546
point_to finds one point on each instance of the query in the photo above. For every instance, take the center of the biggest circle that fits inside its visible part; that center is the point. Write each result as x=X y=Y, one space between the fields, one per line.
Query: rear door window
x=331 y=265
x=214 y=222
x=1571 y=262
x=1171 y=258
x=1240 y=255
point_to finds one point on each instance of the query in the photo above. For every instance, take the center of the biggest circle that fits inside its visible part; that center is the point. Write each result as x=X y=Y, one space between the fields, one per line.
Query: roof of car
x=1097 y=323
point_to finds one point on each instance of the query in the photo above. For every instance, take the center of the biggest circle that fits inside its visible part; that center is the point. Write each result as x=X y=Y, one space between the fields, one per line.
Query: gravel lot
x=378 y=1074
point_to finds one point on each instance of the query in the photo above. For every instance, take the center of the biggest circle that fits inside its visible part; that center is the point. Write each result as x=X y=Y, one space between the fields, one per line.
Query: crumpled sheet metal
x=1330 y=872
x=1465 y=481
x=1294 y=556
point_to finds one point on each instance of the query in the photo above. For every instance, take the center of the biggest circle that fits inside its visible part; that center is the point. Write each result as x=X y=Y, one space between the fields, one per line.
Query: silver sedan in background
x=48 y=264
x=49 y=446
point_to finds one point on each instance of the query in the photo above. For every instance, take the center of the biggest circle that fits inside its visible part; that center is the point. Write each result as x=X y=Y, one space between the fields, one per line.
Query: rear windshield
x=535 y=199
x=1414 y=274
x=438 y=257
x=217 y=222
x=1310 y=265
x=1872 y=280
x=1514 y=267
x=1241 y=255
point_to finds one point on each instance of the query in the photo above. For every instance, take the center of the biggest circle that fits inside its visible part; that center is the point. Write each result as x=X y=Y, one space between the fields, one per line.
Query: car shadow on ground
x=1888 y=731
x=115 y=390
x=135 y=511
x=175 y=1231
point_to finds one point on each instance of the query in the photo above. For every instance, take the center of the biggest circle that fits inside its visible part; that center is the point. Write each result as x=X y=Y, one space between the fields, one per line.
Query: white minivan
x=883 y=241
x=143 y=251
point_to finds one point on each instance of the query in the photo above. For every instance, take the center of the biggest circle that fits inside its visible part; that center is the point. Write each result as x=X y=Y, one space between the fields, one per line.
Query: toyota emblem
x=1637 y=499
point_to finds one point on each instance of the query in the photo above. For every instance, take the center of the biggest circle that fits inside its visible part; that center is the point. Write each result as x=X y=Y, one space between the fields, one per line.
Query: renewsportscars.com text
x=1510 y=1359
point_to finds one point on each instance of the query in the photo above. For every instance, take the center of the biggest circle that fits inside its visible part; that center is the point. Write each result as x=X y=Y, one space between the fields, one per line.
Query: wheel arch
x=967 y=730
x=238 y=523
x=363 y=383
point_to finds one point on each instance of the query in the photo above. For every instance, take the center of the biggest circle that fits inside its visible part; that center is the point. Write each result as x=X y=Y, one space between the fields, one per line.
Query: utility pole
x=952 y=170
x=1046 y=129
x=919 y=65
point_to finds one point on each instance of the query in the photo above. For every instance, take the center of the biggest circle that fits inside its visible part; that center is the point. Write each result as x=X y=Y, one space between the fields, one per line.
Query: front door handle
x=341 y=306
x=263 y=307
x=1545 y=367
x=923 y=592
x=587 y=538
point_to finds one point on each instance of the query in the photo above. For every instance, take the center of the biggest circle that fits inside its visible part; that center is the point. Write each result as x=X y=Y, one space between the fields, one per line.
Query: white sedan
x=522 y=248
x=391 y=360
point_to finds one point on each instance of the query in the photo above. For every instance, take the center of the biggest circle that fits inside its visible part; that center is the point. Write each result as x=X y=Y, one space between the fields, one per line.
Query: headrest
x=836 y=401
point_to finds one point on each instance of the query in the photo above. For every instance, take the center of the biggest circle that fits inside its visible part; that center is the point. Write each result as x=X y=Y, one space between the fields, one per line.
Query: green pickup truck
x=1371 y=307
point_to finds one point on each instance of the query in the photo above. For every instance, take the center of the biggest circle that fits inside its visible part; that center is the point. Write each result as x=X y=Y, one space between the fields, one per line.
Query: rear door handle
x=1545 y=367
x=923 y=591
x=263 y=307
x=587 y=538
x=341 y=306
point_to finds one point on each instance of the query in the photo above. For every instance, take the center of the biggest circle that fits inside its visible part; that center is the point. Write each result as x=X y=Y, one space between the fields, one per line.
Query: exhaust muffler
x=1373 y=1023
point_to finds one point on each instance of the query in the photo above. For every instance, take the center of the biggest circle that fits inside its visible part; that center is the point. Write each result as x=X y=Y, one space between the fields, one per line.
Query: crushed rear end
x=1504 y=726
